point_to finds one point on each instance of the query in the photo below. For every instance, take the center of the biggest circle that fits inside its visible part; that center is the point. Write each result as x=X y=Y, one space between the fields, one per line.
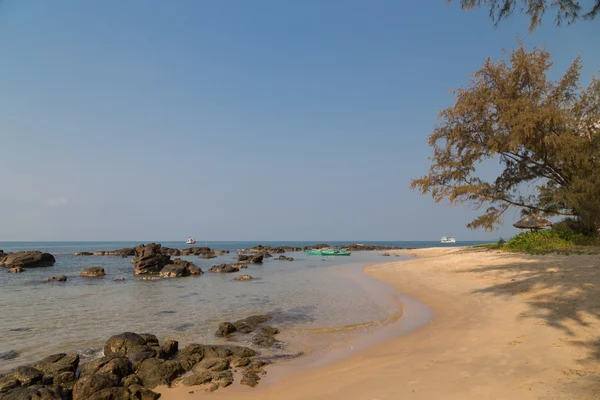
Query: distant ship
x=190 y=240
x=448 y=240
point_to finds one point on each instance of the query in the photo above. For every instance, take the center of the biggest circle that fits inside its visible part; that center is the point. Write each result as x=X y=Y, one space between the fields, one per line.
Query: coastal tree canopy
x=545 y=135
x=566 y=10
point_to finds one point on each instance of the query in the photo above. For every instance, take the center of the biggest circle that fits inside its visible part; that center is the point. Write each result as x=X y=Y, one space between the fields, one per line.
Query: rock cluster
x=284 y=258
x=26 y=259
x=132 y=365
x=150 y=259
x=180 y=268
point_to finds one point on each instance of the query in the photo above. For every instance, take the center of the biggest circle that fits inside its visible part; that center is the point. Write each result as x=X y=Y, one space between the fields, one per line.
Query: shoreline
x=490 y=338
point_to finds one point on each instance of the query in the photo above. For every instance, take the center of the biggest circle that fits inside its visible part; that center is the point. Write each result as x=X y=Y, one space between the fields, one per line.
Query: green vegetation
x=560 y=239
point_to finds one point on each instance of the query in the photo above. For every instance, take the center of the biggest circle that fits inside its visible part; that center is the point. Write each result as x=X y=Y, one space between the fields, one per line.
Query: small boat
x=448 y=240
x=328 y=252
x=190 y=240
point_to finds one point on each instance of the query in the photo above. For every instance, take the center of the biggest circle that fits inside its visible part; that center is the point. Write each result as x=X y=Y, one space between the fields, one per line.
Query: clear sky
x=238 y=120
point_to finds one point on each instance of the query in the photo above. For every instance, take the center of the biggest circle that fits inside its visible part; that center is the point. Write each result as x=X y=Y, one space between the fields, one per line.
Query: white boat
x=448 y=240
x=190 y=240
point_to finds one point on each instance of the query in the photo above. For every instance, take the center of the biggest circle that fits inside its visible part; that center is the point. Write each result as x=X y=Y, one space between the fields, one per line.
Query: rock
x=154 y=372
x=37 y=392
x=212 y=364
x=179 y=268
x=223 y=268
x=223 y=378
x=16 y=270
x=248 y=324
x=282 y=257
x=250 y=380
x=149 y=278
x=171 y=252
x=150 y=339
x=120 y=252
x=7 y=382
x=174 y=271
x=195 y=251
x=26 y=259
x=124 y=344
x=385 y=254
x=149 y=259
x=170 y=348
x=265 y=340
x=269 y=330
x=197 y=379
x=244 y=278
x=249 y=259
x=61 y=278
x=92 y=272
x=119 y=279
x=9 y=355
x=208 y=255
x=26 y=376
x=132 y=379
x=220 y=252
x=83 y=253
x=225 y=328
x=59 y=369
x=85 y=387
x=139 y=392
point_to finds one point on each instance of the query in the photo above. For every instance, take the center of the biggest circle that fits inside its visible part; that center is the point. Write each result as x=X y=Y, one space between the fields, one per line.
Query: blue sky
x=238 y=120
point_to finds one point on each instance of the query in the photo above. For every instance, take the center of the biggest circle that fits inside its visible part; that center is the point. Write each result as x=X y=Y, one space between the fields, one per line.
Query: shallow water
x=311 y=293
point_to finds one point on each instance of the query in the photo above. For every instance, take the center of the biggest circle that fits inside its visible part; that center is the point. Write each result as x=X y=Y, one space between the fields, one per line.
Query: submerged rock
x=61 y=278
x=26 y=259
x=244 y=278
x=250 y=259
x=92 y=272
x=16 y=270
x=9 y=355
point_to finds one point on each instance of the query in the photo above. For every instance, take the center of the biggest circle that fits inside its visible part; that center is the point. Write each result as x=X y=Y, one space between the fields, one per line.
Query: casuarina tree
x=544 y=135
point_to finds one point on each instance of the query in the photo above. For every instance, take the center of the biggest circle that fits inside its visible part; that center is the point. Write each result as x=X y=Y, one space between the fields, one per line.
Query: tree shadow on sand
x=563 y=291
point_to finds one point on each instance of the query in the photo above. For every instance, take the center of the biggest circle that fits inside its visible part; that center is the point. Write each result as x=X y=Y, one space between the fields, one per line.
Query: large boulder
x=149 y=259
x=26 y=259
x=224 y=268
x=154 y=372
x=250 y=259
x=125 y=344
x=93 y=272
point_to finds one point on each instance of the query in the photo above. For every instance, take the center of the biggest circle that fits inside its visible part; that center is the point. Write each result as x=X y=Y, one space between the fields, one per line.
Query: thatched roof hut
x=533 y=222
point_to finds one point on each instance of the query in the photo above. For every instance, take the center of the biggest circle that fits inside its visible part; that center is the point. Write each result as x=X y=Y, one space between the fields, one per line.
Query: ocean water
x=310 y=294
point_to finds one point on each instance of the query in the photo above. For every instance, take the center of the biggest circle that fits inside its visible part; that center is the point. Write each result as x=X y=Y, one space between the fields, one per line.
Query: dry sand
x=505 y=326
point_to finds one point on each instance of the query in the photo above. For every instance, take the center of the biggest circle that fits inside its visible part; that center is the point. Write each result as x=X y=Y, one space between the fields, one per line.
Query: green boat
x=328 y=252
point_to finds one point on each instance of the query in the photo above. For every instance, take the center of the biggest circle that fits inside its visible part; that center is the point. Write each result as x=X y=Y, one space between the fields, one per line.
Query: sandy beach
x=505 y=326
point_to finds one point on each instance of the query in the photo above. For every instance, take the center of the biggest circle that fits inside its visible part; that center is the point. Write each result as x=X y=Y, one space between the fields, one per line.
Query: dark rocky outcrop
x=26 y=259
x=61 y=278
x=250 y=259
x=92 y=272
x=244 y=278
x=149 y=259
x=269 y=249
x=208 y=255
x=224 y=268
x=265 y=337
x=220 y=252
x=83 y=253
x=16 y=270
x=133 y=364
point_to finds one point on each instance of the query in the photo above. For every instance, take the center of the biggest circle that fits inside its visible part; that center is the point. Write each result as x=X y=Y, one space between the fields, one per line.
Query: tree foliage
x=544 y=134
x=566 y=10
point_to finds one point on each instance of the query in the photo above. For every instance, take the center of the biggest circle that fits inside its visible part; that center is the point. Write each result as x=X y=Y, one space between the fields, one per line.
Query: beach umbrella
x=533 y=222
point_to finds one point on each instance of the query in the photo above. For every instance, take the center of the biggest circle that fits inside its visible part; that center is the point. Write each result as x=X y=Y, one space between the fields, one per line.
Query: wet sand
x=505 y=326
